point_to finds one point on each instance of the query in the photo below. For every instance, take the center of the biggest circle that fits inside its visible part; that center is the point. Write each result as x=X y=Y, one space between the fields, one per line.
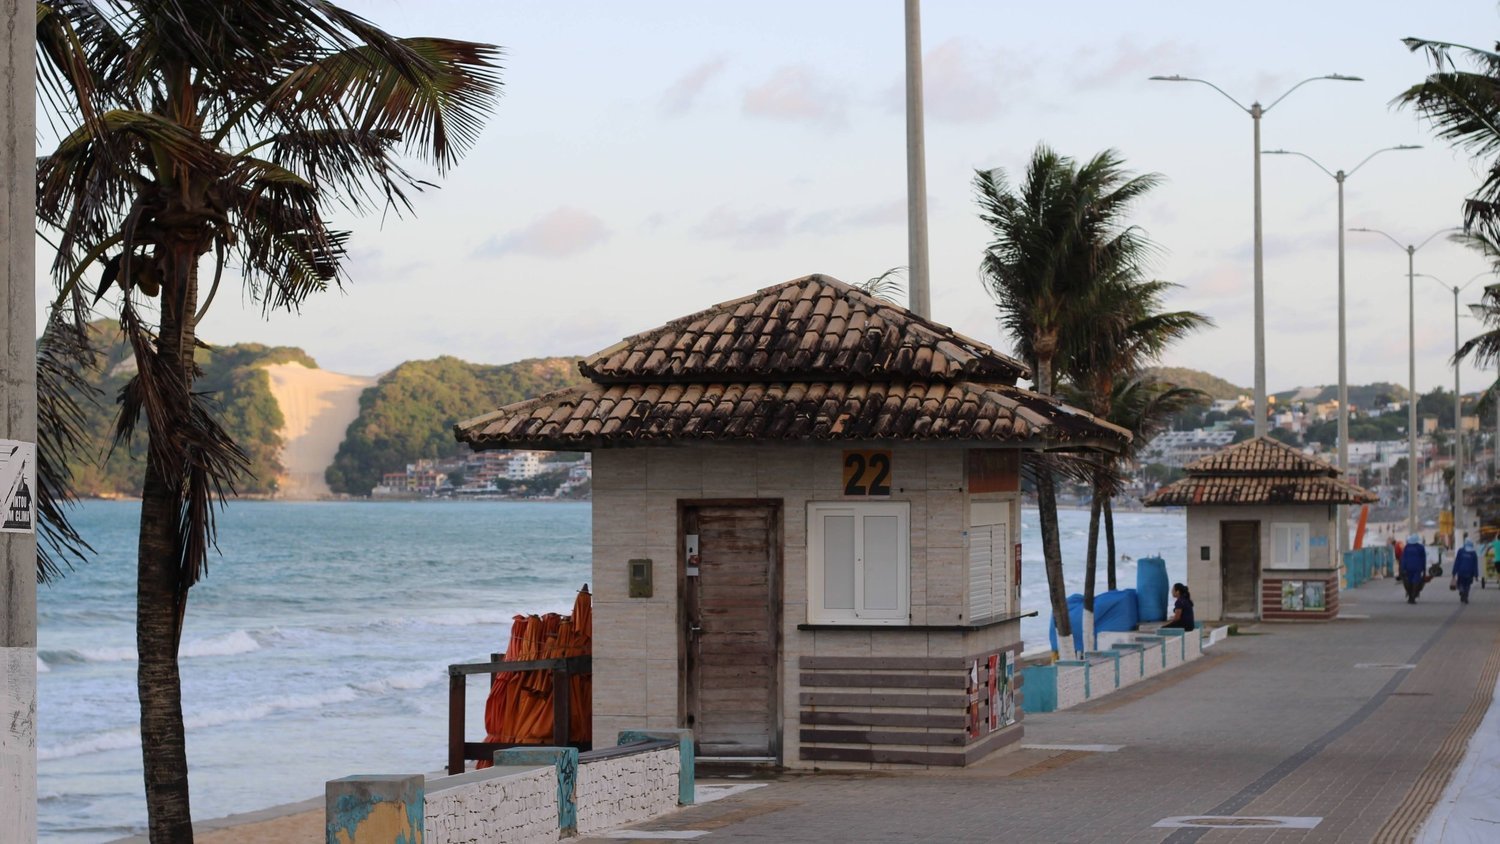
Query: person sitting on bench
x=1182 y=609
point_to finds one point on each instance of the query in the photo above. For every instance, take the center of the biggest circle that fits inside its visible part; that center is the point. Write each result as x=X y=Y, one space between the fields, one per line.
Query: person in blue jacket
x=1413 y=567
x=1465 y=569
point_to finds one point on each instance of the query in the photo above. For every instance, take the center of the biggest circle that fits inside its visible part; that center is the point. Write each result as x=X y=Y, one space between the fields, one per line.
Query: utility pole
x=18 y=416
x=916 y=167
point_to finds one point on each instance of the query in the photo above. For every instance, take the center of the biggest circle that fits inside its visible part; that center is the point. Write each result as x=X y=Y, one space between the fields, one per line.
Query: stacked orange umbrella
x=520 y=706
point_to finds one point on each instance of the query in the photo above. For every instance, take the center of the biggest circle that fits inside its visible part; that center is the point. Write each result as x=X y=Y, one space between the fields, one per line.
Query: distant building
x=523 y=465
x=1179 y=448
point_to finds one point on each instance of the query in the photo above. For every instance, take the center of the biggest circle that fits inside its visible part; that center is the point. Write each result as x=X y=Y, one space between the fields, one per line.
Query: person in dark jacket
x=1465 y=569
x=1413 y=567
x=1182 y=609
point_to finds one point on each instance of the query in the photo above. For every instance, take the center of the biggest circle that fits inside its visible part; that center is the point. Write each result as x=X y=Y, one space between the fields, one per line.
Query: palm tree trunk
x=161 y=595
x=1109 y=541
x=157 y=633
x=1091 y=562
x=1046 y=505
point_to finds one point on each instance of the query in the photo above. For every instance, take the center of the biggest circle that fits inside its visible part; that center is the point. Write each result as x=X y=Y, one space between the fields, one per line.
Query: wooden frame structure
x=461 y=751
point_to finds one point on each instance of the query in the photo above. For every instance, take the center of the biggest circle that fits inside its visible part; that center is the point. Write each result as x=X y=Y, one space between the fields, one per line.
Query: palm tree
x=1054 y=238
x=1109 y=358
x=1463 y=107
x=196 y=128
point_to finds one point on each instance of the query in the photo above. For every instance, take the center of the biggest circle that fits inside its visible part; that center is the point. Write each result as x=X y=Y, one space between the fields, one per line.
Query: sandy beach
x=318 y=406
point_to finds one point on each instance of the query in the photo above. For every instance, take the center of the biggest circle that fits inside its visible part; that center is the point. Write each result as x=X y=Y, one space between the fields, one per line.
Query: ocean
x=316 y=647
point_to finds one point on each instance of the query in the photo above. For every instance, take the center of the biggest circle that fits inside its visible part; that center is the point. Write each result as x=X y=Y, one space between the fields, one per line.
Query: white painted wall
x=1203 y=530
x=627 y=789
x=493 y=806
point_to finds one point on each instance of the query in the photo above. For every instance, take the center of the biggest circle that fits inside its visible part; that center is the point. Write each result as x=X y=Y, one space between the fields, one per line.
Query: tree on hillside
x=1051 y=236
x=196 y=128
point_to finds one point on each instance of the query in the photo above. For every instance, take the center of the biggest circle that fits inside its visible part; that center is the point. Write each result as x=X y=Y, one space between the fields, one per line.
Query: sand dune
x=318 y=407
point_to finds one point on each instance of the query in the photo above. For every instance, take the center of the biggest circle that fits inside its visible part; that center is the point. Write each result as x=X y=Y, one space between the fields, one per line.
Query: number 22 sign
x=867 y=472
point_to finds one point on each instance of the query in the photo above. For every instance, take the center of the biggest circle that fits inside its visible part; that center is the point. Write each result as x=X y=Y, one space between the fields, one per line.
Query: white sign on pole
x=17 y=487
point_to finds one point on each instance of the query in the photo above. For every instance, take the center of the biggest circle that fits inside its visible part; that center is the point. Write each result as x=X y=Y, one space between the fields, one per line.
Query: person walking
x=1413 y=567
x=1465 y=569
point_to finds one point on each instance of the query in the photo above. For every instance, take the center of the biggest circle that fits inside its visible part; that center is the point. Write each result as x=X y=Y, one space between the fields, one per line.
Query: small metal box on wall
x=640 y=578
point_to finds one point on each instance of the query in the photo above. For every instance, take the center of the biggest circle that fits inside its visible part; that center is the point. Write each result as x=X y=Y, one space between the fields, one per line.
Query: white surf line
x=1469 y=807
x=1084 y=748
x=709 y=793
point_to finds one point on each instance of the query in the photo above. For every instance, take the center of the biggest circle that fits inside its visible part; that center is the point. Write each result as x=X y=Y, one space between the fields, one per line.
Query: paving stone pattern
x=1277 y=722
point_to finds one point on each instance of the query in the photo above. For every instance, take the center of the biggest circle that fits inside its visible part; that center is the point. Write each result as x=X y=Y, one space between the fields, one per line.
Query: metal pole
x=1343 y=512
x=1458 y=437
x=1411 y=401
x=18 y=417
x=916 y=166
x=1260 y=291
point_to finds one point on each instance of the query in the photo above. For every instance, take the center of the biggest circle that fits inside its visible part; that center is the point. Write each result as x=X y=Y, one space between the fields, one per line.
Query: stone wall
x=629 y=789
x=498 y=805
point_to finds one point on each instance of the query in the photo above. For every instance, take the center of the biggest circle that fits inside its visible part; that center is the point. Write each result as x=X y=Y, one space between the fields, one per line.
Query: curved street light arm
x=1448 y=288
x=1337 y=77
x=1175 y=78
x=1477 y=277
x=1304 y=155
x=1379 y=151
x=1435 y=234
x=1399 y=244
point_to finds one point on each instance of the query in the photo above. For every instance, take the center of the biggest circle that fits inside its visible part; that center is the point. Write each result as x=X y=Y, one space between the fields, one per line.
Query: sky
x=649 y=159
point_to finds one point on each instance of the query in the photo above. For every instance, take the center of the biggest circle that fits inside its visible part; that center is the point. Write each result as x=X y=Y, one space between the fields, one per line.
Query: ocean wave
x=228 y=644
x=127 y=737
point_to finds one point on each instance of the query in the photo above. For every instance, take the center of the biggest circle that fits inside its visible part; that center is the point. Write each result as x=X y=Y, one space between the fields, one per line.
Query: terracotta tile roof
x=1267 y=489
x=1259 y=471
x=809 y=328
x=622 y=414
x=1260 y=456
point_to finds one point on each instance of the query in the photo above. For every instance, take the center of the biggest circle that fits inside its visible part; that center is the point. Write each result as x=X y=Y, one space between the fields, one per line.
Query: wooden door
x=733 y=602
x=1239 y=566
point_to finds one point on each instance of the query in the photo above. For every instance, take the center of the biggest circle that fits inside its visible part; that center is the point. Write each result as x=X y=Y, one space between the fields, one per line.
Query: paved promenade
x=1353 y=728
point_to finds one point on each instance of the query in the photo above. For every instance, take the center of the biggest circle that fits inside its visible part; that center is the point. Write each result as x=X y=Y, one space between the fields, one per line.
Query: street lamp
x=1255 y=110
x=1339 y=177
x=1411 y=344
x=1458 y=409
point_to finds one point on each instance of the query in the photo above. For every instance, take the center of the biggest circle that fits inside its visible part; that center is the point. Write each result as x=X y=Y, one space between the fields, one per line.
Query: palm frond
x=887 y=286
x=63 y=357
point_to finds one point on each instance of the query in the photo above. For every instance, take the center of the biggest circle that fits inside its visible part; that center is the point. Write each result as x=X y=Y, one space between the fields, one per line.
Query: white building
x=523 y=466
x=1179 y=448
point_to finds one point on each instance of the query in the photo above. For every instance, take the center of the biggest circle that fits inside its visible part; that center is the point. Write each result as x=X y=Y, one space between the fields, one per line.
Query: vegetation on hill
x=1195 y=380
x=233 y=378
x=409 y=413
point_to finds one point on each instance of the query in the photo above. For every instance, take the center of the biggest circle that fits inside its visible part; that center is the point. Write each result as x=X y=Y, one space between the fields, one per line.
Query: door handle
x=695 y=629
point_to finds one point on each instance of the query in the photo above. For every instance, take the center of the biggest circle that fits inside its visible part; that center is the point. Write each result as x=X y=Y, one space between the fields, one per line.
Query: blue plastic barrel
x=1075 y=615
x=1116 y=612
x=1152 y=587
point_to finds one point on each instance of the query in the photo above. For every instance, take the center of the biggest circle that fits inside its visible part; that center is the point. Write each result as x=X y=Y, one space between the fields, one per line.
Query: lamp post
x=1339 y=177
x=1411 y=345
x=1458 y=410
x=916 y=167
x=1256 y=110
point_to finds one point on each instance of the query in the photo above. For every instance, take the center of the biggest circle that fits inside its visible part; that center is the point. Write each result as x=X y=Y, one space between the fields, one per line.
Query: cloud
x=1128 y=62
x=682 y=96
x=960 y=84
x=560 y=233
x=756 y=230
x=796 y=94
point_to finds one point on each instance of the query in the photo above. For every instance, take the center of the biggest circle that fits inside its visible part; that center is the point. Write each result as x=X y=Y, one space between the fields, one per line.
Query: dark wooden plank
x=950 y=739
x=885 y=681
x=883 y=699
x=456 y=710
x=869 y=754
x=1004 y=737
x=882 y=663
x=883 y=719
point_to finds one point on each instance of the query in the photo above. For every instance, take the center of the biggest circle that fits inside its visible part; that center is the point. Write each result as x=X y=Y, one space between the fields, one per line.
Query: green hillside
x=231 y=376
x=1360 y=395
x=409 y=413
x=1212 y=384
